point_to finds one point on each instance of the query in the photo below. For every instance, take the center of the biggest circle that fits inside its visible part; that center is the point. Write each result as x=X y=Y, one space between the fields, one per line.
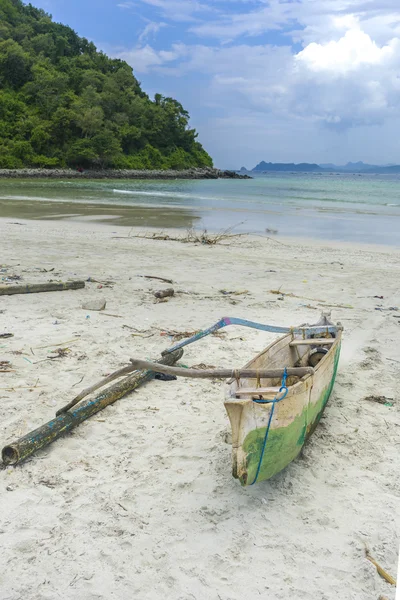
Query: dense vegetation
x=63 y=103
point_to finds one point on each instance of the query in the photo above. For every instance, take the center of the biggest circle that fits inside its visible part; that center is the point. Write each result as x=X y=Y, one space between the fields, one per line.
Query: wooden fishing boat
x=274 y=402
x=268 y=432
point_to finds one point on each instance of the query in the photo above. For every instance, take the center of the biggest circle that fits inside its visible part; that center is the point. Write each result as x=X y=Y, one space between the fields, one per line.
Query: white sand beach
x=139 y=502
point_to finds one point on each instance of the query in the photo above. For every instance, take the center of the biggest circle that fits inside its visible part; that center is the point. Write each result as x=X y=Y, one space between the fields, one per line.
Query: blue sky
x=274 y=80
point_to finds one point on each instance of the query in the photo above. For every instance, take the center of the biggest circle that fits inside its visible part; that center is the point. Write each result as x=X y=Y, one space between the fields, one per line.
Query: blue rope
x=275 y=401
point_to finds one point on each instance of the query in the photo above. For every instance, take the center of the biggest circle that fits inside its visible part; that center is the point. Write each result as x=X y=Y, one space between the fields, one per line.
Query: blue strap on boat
x=225 y=321
x=275 y=401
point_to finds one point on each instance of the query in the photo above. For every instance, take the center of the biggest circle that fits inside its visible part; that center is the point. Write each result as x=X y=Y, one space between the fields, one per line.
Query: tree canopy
x=64 y=103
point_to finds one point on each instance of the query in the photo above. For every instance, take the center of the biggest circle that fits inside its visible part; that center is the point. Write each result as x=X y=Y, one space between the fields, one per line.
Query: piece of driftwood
x=96 y=386
x=164 y=293
x=380 y=570
x=24 y=447
x=220 y=373
x=158 y=278
x=34 y=288
x=6 y=335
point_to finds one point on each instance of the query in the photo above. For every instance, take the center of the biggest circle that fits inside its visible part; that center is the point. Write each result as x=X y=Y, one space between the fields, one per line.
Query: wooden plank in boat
x=311 y=342
x=257 y=391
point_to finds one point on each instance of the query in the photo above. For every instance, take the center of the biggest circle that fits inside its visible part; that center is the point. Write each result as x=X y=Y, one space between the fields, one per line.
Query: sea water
x=362 y=208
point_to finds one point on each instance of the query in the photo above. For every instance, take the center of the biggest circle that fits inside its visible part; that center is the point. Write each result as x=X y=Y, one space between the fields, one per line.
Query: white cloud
x=151 y=29
x=178 y=10
x=344 y=78
x=310 y=20
x=145 y=58
x=348 y=82
x=125 y=5
x=350 y=53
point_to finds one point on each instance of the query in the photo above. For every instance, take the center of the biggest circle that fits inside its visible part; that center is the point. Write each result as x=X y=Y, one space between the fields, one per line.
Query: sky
x=274 y=80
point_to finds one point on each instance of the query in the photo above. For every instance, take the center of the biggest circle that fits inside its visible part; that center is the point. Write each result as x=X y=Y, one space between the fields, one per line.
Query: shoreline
x=113 y=223
x=195 y=173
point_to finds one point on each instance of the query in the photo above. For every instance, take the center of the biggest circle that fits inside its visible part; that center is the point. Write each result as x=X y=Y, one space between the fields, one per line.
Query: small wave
x=388 y=204
x=157 y=194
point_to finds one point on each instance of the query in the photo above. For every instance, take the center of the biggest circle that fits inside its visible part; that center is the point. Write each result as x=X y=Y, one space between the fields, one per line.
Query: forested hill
x=63 y=103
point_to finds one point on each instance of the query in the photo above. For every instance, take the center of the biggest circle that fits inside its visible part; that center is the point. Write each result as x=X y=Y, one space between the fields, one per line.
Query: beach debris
x=237 y=293
x=176 y=336
x=144 y=333
x=11 y=278
x=387 y=309
x=380 y=400
x=59 y=353
x=25 y=446
x=194 y=237
x=203 y=366
x=34 y=288
x=165 y=377
x=273 y=231
x=5 y=366
x=57 y=344
x=380 y=570
x=335 y=305
x=103 y=314
x=320 y=302
x=6 y=335
x=97 y=305
x=158 y=278
x=108 y=283
x=291 y=295
x=78 y=382
x=165 y=293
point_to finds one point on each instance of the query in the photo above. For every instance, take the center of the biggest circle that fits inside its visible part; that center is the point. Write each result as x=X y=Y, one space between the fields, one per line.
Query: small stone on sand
x=94 y=305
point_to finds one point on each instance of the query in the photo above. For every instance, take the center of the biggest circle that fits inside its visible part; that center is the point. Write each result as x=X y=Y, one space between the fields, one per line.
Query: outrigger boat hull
x=294 y=419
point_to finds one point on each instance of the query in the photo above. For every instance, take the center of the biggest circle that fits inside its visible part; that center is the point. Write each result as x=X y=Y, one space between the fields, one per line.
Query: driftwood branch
x=158 y=278
x=34 y=288
x=96 y=386
x=220 y=373
x=43 y=436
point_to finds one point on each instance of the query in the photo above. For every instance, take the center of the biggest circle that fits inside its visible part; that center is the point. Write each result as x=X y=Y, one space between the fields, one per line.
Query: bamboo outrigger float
x=25 y=446
x=274 y=403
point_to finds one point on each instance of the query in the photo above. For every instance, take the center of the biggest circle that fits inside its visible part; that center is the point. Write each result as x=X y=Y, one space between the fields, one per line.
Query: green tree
x=15 y=64
x=63 y=102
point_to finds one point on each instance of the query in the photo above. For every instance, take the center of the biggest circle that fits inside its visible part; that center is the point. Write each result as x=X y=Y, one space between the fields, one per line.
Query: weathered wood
x=158 y=278
x=164 y=293
x=311 y=342
x=258 y=391
x=43 y=436
x=34 y=288
x=267 y=437
x=220 y=373
x=96 y=386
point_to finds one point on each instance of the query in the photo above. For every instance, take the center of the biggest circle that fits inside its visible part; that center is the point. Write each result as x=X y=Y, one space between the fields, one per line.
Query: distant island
x=64 y=104
x=350 y=167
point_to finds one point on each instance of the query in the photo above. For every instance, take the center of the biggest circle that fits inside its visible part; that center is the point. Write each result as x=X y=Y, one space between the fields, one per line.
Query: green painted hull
x=294 y=420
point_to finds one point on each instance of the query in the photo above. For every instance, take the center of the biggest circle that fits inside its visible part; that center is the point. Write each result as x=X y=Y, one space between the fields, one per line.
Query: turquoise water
x=363 y=208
